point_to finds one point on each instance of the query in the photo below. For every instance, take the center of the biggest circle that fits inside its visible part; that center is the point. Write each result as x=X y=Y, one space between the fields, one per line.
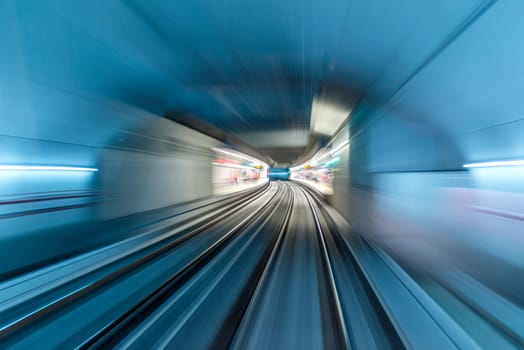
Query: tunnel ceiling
x=252 y=68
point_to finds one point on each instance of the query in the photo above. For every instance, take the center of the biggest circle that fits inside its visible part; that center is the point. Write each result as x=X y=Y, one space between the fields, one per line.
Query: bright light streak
x=237 y=166
x=495 y=164
x=339 y=148
x=253 y=160
x=45 y=168
x=315 y=161
x=331 y=153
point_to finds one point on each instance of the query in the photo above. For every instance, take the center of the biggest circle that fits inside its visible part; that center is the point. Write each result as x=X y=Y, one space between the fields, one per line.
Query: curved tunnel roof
x=254 y=68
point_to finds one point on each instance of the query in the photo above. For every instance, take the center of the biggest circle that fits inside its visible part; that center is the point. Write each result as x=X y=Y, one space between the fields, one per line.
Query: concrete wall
x=163 y=164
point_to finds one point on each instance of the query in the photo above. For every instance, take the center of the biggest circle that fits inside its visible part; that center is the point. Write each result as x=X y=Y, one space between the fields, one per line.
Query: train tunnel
x=279 y=174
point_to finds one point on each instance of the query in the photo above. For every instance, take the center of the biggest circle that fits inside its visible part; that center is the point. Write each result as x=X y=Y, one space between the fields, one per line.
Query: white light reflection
x=495 y=164
x=236 y=166
x=339 y=148
x=241 y=156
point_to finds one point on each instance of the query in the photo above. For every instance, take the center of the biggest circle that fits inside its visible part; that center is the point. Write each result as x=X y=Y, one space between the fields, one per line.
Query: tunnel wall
x=163 y=163
x=402 y=187
x=74 y=94
x=145 y=165
x=408 y=191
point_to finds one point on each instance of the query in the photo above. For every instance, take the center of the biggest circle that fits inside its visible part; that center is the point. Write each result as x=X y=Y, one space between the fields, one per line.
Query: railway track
x=269 y=270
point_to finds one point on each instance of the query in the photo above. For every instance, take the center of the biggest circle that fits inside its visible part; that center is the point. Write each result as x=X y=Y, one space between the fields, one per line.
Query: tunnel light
x=327 y=117
x=231 y=165
x=339 y=148
x=253 y=160
x=316 y=161
x=333 y=153
x=495 y=164
x=45 y=168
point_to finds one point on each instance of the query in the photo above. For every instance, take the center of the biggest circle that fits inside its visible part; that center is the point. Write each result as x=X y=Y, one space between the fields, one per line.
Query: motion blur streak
x=298 y=174
x=45 y=168
x=492 y=164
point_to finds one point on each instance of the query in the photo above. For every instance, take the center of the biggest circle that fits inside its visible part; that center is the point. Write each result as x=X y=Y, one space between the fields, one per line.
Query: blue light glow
x=334 y=160
x=45 y=168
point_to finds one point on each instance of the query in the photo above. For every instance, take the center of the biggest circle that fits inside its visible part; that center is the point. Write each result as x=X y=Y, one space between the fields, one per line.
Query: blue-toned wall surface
x=408 y=189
